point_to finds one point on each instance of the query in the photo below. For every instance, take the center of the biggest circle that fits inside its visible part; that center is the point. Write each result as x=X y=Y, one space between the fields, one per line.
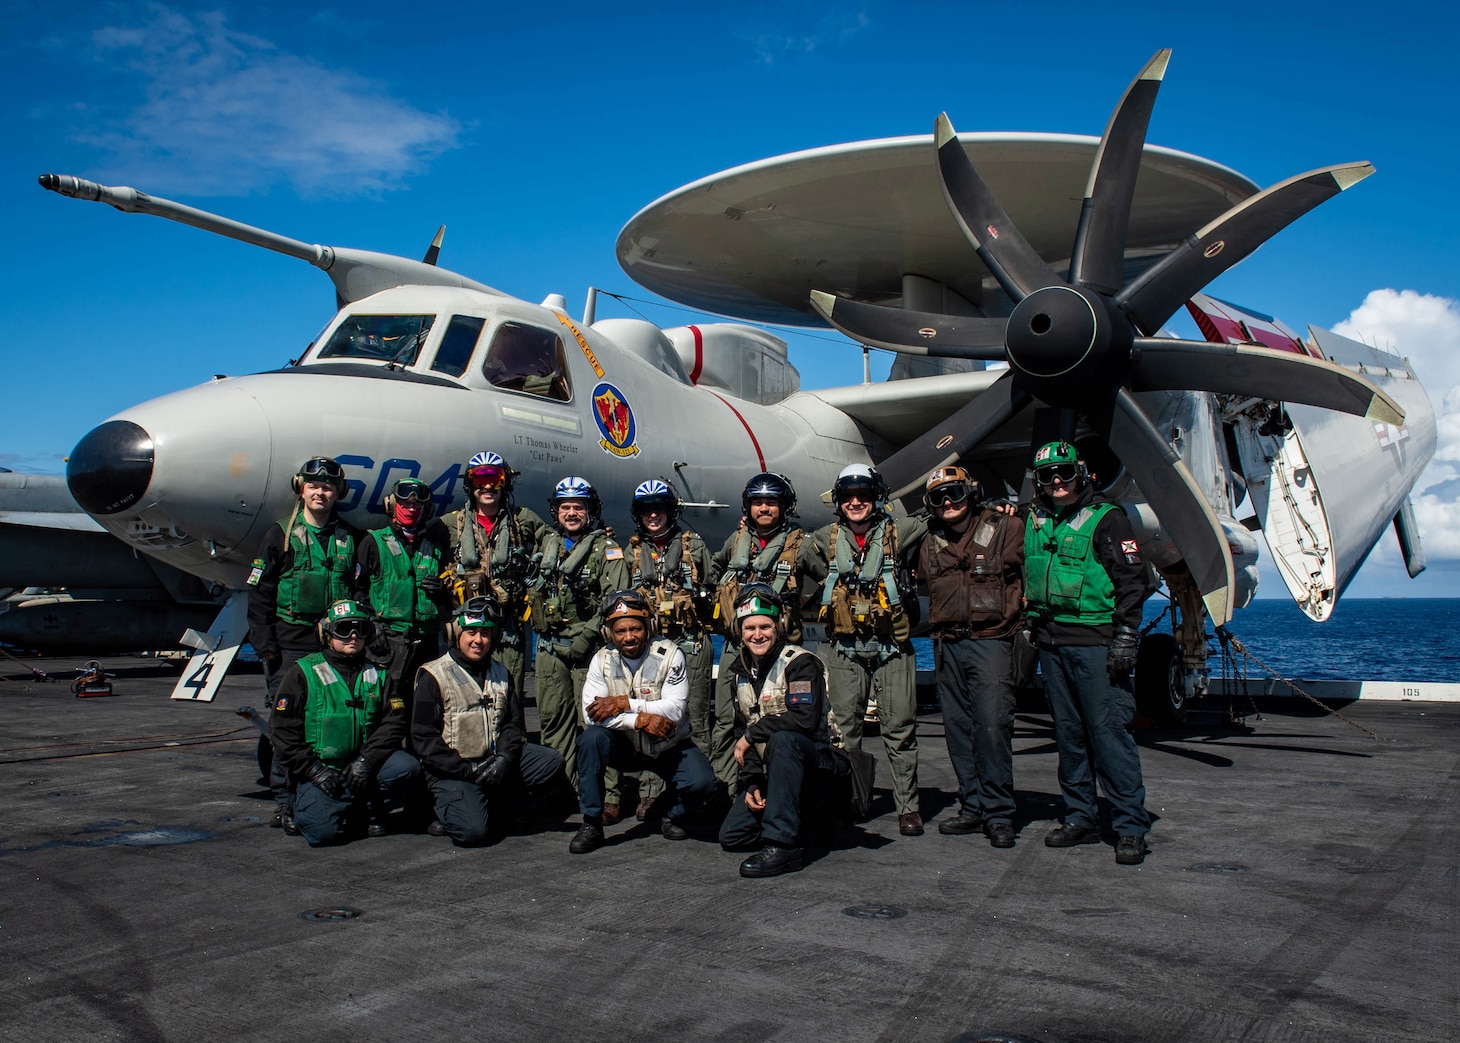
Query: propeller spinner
x=1083 y=344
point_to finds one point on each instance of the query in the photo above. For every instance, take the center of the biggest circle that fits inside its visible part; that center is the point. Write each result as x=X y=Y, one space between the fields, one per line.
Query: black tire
x=1159 y=694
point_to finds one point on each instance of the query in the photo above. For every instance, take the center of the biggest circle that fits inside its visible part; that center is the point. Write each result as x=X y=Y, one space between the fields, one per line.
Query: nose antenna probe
x=355 y=273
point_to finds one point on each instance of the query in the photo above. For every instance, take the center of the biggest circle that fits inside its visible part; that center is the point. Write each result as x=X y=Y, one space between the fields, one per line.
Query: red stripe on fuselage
x=694 y=374
x=753 y=441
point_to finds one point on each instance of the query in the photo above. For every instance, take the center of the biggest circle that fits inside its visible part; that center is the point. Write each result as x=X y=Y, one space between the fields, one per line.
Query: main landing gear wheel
x=1160 y=694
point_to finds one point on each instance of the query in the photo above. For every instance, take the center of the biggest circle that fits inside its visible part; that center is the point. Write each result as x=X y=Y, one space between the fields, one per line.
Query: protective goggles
x=412 y=492
x=350 y=628
x=943 y=495
x=322 y=467
x=1047 y=474
x=476 y=613
x=490 y=476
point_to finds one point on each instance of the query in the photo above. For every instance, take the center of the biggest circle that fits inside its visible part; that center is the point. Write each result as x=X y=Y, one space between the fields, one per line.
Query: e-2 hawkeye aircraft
x=422 y=367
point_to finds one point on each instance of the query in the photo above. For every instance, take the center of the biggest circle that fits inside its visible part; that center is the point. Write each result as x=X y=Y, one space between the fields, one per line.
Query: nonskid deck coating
x=1302 y=886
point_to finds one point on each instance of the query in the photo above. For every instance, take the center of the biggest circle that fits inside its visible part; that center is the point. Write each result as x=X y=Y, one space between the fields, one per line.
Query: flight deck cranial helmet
x=626 y=604
x=758 y=599
x=478 y=613
x=1059 y=460
x=769 y=486
x=575 y=488
x=488 y=470
x=410 y=492
x=345 y=618
x=860 y=479
x=947 y=485
x=656 y=492
x=319 y=469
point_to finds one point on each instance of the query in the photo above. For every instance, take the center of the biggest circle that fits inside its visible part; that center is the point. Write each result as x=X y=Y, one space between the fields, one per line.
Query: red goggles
x=489 y=475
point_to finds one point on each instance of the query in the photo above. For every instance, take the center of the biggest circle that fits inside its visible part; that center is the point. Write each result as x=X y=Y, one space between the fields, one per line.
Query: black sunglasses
x=350 y=628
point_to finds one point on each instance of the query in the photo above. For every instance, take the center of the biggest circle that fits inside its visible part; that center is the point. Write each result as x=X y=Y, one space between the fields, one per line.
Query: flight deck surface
x=1301 y=886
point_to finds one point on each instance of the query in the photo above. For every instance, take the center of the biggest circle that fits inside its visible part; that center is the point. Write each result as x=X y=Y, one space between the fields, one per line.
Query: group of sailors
x=397 y=657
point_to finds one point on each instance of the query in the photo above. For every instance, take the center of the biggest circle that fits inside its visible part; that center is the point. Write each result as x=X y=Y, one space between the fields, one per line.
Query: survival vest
x=317 y=576
x=860 y=598
x=337 y=718
x=775 y=697
x=1064 y=580
x=471 y=714
x=395 y=590
x=566 y=590
x=669 y=582
x=496 y=563
x=966 y=585
x=774 y=565
x=647 y=682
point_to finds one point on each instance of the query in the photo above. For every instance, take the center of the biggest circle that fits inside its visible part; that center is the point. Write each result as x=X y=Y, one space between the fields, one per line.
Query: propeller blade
x=1166 y=285
x=907 y=469
x=1245 y=369
x=1098 y=259
x=1178 y=502
x=913 y=332
x=999 y=243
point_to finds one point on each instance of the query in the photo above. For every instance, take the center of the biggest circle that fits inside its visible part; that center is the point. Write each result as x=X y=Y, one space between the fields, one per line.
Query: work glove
x=495 y=773
x=1121 y=659
x=358 y=775
x=431 y=585
x=478 y=772
x=606 y=706
x=581 y=646
x=656 y=724
x=330 y=782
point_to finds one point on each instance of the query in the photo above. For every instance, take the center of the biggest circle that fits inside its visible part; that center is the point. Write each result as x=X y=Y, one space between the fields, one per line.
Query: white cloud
x=1426 y=329
x=222 y=112
x=829 y=31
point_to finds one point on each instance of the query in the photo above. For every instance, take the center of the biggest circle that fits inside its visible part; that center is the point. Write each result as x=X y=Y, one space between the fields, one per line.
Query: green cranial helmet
x=345 y=615
x=1056 y=453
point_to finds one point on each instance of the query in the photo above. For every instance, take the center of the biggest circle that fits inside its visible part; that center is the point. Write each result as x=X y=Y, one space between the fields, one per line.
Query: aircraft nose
x=111 y=467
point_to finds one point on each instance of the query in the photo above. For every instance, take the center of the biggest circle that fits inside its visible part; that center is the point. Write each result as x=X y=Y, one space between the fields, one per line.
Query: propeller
x=1085 y=343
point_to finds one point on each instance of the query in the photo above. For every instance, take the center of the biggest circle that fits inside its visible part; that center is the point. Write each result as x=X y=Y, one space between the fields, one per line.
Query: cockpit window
x=457 y=344
x=525 y=358
x=385 y=338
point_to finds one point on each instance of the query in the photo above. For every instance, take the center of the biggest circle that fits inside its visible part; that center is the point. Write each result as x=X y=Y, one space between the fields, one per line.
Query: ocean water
x=1366 y=639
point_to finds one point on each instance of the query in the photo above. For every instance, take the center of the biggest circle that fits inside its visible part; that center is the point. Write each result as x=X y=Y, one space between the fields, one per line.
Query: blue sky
x=534 y=133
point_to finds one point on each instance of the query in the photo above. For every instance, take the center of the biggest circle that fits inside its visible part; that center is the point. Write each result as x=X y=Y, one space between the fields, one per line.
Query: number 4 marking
x=199 y=679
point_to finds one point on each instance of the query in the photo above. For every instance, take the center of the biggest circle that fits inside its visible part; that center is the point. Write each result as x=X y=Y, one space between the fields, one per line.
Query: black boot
x=589 y=836
x=771 y=860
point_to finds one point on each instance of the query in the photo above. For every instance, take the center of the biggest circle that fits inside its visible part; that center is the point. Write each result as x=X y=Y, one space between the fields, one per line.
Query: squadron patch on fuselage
x=615 y=419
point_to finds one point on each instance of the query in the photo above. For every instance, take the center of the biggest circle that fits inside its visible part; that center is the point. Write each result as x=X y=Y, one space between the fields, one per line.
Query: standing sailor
x=869 y=655
x=671 y=567
x=1086 y=582
x=580 y=567
x=492 y=543
x=768 y=547
x=973 y=563
x=400 y=570
x=306 y=563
